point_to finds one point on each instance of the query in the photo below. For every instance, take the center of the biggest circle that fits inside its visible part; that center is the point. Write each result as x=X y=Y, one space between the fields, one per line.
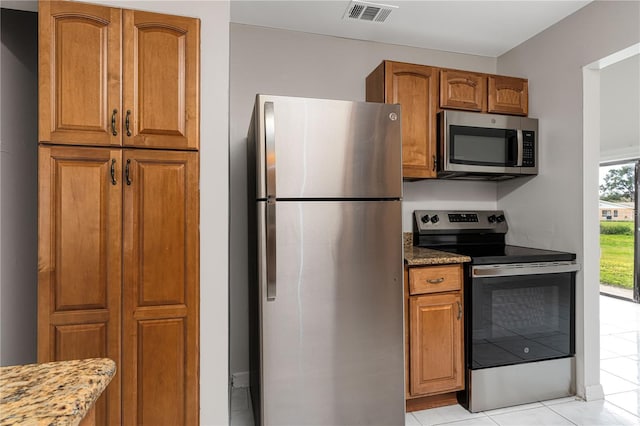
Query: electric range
x=519 y=309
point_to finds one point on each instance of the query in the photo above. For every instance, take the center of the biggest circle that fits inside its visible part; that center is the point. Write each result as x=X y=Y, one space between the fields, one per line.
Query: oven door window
x=483 y=146
x=521 y=319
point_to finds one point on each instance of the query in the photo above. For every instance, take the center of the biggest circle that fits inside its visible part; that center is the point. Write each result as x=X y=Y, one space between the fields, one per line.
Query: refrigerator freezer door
x=319 y=148
x=332 y=339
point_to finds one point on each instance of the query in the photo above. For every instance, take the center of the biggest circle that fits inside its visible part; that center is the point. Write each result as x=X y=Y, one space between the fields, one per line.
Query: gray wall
x=620 y=110
x=18 y=187
x=557 y=208
x=292 y=63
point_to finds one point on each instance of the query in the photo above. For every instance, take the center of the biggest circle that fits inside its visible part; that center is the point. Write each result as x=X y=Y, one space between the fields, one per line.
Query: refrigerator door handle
x=271 y=248
x=270 y=143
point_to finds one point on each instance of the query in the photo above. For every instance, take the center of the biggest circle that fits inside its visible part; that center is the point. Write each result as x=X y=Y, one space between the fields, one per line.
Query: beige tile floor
x=619 y=375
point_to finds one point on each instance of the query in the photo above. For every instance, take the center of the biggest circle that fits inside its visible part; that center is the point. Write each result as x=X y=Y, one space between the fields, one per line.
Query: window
x=615 y=213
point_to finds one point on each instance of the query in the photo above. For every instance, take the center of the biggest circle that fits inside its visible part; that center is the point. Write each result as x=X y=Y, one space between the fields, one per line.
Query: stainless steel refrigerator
x=325 y=261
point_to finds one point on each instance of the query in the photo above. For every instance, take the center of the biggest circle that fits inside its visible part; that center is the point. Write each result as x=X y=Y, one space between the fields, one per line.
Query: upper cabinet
x=483 y=93
x=113 y=77
x=161 y=77
x=415 y=87
x=423 y=91
x=79 y=73
x=508 y=95
x=463 y=90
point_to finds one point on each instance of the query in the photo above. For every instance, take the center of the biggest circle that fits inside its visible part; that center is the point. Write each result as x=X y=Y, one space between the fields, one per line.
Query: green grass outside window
x=616 y=254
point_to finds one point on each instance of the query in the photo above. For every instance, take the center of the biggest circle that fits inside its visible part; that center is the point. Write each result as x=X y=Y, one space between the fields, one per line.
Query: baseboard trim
x=592 y=393
x=240 y=379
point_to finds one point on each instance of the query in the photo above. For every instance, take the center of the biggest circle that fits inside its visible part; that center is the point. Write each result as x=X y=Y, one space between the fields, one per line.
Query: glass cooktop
x=488 y=255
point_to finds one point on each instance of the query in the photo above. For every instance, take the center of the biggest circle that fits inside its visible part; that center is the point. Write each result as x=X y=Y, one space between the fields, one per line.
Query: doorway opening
x=618 y=214
x=619 y=156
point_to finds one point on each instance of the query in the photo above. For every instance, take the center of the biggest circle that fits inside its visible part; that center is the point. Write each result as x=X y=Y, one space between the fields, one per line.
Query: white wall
x=619 y=110
x=18 y=187
x=214 y=184
x=553 y=209
x=292 y=63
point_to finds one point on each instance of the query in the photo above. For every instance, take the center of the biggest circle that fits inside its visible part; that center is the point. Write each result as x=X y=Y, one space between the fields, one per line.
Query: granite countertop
x=418 y=256
x=53 y=393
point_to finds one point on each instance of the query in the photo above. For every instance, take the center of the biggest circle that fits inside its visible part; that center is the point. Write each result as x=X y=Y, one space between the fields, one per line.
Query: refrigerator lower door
x=332 y=338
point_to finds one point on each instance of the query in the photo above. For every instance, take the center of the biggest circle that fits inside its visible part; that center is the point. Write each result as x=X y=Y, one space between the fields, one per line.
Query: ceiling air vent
x=365 y=11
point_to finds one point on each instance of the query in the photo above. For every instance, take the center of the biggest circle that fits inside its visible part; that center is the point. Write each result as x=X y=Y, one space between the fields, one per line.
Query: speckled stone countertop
x=418 y=256
x=53 y=393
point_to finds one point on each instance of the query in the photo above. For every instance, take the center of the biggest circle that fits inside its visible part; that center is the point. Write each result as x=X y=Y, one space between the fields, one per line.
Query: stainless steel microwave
x=480 y=146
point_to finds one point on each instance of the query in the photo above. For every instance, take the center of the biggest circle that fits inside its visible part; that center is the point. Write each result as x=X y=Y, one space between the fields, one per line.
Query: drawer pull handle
x=436 y=281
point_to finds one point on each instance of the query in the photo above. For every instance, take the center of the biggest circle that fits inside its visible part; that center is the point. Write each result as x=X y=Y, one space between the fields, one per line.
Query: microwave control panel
x=528 y=148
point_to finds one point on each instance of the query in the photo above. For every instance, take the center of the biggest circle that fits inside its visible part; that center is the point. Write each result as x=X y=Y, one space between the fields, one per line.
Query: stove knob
x=492 y=218
x=425 y=218
x=435 y=218
x=500 y=218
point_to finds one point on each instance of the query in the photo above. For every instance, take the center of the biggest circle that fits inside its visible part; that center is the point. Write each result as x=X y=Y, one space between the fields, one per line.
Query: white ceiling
x=486 y=28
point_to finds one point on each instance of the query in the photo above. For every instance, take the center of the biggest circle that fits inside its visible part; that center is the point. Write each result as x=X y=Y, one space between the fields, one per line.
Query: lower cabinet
x=118 y=277
x=435 y=357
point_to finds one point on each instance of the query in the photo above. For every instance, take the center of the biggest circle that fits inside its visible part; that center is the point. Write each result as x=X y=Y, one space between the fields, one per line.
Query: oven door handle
x=512 y=269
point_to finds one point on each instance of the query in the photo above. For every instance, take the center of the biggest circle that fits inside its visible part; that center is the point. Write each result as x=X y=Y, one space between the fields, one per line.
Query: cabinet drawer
x=433 y=279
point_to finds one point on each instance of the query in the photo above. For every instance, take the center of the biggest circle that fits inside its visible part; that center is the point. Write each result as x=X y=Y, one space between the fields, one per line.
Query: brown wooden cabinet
x=85 y=98
x=103 y=211
x=119 y=223
x=79 y=261
x=471 y=91
x=415 y=88
x=423 y=91
x=161 y=57
x=463 y=90
x=508 y=95
x=161 y=293
x=79 y=73
x=435 y=357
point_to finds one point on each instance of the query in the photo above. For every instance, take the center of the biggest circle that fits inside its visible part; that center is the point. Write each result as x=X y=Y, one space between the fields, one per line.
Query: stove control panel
x=452 y=221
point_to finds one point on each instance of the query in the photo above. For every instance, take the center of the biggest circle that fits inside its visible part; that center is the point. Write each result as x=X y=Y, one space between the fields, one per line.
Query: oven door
x=520 y=313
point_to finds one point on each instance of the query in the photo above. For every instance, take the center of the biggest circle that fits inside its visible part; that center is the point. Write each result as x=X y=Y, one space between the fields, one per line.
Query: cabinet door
x=508 y=95
x=436 y=344
x=415 y=87
x=79 y=74
x=160 y=290
x=463 y=90
x=79 y=261
x=161 y=56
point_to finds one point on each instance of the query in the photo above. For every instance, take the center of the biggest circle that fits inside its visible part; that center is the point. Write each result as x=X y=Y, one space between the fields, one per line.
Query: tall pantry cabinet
x=118 y=200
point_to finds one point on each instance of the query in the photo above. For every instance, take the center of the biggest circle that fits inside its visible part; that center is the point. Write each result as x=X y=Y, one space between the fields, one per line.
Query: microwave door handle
x=520 y=147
